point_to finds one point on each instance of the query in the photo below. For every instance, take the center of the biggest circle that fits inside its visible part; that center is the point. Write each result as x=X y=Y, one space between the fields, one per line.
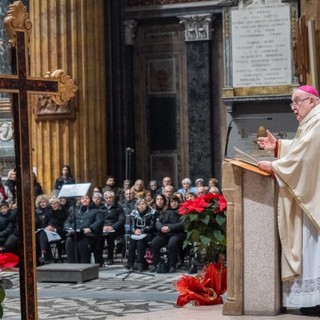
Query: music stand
x=73 y=191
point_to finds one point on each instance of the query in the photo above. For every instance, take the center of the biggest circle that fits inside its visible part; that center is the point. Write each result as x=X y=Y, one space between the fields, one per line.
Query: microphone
x=230 y=128
x=130 y=150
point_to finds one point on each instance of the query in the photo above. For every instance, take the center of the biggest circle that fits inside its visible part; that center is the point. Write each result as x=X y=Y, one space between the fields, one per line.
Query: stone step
x=67 y=272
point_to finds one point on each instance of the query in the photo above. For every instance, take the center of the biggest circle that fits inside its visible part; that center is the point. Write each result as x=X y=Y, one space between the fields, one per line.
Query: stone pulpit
x=253 y=247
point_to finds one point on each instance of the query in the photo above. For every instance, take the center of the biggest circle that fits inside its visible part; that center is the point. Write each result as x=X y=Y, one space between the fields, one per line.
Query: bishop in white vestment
x=297 y=171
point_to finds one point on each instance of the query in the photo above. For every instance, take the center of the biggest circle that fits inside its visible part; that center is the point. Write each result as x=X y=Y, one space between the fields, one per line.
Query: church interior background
x=161 y=78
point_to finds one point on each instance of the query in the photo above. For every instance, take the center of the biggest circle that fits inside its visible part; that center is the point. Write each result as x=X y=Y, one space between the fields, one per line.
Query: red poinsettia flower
x=8 y=260
x=205 y=288
x=195 y=205
x=209 y=197
x=222 y=203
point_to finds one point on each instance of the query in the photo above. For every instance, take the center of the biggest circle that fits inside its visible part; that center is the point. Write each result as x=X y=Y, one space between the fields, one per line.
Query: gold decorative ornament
x=67 y=88
x=17 y=19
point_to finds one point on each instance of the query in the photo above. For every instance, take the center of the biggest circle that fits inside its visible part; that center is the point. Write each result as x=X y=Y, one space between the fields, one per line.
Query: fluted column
x=69 y=35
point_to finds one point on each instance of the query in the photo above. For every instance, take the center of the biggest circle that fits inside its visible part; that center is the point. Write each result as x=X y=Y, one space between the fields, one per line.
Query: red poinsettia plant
x=7 y=261
x=203 y=289
x=205 y=219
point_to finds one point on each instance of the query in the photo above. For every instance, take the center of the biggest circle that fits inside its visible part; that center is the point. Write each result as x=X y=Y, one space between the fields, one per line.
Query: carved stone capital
x=197 y=27
x=129 y=30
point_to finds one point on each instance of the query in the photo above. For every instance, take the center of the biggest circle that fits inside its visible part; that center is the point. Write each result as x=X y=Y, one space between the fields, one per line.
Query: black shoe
x=44 y=259
x=311 y=311
x=109 y=262
x=153 y=268
x=140 y=267
x=172 y=270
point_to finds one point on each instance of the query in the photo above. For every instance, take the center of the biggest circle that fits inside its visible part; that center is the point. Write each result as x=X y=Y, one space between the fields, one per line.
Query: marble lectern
x=253 y=247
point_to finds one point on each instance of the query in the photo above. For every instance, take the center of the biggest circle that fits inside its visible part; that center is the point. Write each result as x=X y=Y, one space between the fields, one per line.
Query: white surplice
x=304 y=291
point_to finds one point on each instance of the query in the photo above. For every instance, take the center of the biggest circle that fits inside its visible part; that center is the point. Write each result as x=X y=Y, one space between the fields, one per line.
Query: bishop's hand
x=265 y=166
x=267 y=143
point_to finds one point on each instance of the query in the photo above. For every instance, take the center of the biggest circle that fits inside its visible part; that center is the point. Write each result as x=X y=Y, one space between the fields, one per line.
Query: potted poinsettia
x=205 y=219
x=206 y=288
x=7 y=261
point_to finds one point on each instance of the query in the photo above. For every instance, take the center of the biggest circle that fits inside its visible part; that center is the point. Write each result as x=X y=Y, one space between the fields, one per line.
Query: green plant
x=205 y=219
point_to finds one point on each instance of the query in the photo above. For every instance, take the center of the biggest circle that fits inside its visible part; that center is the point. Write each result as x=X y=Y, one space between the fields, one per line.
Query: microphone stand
x=75 y=239
x=230 y=128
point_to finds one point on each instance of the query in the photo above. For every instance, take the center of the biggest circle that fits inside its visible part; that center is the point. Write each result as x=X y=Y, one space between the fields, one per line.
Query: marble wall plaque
x=261 y=44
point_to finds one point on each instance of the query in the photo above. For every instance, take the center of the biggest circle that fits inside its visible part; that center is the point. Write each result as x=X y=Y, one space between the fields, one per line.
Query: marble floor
x=139 y=296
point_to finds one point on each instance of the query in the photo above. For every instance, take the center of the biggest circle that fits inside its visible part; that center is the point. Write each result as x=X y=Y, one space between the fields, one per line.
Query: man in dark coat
x=113 y=227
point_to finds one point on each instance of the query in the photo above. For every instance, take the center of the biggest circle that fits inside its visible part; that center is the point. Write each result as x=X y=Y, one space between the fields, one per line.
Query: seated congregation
x=140 y=224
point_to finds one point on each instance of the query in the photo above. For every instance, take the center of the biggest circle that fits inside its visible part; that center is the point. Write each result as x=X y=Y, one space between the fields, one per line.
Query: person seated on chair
x=12 y=242
x=42 y=207
x=113 y=226
x=130 y=202
x=97 y=200
x=11 y=182
x=53 y=229
x=186 y=187
x=171 y=233
x=126 y=186
x=83 y=228
x=160 y=203
x=150 y=200
x=128 y=205
x=5 y=193
x=142 y=228
x=153 y=187
x=6 y=223
x=139 y=189
x=111 y=186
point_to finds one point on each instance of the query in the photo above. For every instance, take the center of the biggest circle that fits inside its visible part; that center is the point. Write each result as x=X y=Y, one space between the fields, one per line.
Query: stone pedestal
x=253 y=245
x=68 y=272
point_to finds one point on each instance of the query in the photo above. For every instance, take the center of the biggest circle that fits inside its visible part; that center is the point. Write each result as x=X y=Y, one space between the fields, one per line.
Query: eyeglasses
x=298 y=102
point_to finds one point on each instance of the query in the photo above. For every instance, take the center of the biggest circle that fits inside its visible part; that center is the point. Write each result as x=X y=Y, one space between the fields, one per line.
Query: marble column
x=198 y=36
x=69 y=35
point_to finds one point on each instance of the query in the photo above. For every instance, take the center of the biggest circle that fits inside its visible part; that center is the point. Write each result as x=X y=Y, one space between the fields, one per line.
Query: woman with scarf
x=142 y=228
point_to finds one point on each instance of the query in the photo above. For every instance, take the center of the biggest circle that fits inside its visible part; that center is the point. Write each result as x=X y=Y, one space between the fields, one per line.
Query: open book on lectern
x=243 y=156
x=74 y=190
x=247 y=158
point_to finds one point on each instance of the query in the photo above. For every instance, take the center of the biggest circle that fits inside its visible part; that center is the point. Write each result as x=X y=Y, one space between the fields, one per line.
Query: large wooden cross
x=21 y=85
